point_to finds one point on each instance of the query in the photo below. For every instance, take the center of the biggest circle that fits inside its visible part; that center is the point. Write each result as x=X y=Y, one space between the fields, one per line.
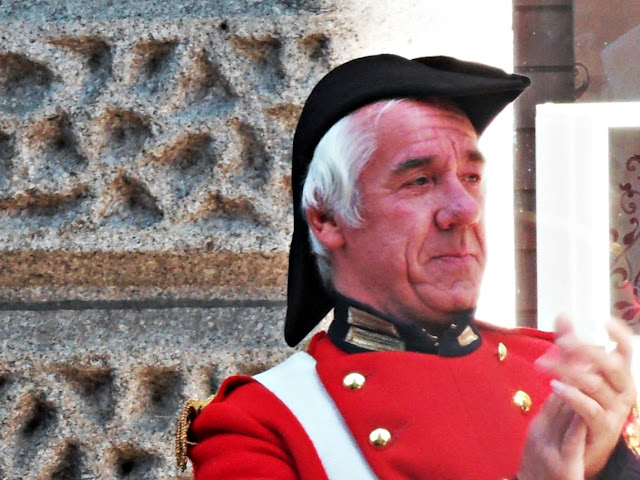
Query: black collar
x=357 y=327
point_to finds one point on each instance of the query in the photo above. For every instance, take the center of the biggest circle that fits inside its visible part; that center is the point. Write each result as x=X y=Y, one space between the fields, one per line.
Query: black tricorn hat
x=479 y=90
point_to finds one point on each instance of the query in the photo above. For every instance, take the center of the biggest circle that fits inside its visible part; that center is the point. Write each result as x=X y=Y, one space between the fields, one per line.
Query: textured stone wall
x=144 y=219
x=150 y=154
x=96 y=394
x=144 y=208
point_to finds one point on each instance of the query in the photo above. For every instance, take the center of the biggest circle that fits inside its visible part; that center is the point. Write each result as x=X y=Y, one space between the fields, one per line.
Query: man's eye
x=473 y=178
x=421 y=181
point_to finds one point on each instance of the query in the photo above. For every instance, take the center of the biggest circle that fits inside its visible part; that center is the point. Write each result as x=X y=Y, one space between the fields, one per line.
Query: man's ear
x=327 y=230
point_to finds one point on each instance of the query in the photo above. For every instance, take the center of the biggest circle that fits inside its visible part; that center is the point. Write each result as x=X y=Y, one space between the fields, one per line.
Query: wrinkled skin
x=420 y=252
x=419 y=255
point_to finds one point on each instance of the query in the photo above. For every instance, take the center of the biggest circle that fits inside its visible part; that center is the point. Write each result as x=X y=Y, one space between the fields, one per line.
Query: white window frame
x=572 y=211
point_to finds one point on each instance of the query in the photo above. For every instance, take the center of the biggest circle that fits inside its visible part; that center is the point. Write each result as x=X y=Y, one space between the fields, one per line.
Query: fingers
x=556 y=424
x=574 y=439
x=622 y=334
x=550 y=417
x=563 y=326
x=583 y=405
x=555 y=445
x=603 y=426
x=587 y=366
x=597 y=384
x=594 y=384
x=564 y=429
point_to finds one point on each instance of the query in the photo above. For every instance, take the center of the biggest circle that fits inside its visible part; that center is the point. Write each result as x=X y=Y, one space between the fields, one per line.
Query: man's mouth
x=455 y=257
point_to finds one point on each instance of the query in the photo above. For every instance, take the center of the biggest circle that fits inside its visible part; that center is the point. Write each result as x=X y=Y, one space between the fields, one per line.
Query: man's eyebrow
x=411 y=164
x=476 y=156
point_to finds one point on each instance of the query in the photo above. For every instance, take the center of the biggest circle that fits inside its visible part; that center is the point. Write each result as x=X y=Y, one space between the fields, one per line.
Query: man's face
x=420 y=251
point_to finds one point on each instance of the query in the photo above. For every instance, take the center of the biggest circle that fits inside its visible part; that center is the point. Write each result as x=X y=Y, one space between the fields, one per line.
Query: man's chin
x=460 y=296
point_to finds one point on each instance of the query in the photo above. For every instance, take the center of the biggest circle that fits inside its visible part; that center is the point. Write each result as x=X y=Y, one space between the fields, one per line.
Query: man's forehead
x=436 y=107
x=411 y=123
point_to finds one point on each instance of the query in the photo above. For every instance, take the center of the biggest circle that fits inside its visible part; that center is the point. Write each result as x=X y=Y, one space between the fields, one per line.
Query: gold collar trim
x=371 y=332
x=358 y=328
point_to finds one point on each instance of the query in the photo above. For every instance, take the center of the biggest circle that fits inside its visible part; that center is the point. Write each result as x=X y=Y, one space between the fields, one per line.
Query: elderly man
x=388 y=190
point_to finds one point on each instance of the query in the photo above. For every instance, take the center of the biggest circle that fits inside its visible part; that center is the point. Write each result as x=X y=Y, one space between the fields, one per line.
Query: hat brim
x=479 y=90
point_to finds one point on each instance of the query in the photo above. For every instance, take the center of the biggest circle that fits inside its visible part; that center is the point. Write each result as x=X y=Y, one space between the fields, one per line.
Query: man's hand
x=596 y=386
x=555 y=444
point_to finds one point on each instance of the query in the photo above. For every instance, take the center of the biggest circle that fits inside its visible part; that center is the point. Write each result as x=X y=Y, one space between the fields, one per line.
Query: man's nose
x=458 y=207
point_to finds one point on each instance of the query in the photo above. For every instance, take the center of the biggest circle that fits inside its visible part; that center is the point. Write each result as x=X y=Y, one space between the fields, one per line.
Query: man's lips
x=455 y=257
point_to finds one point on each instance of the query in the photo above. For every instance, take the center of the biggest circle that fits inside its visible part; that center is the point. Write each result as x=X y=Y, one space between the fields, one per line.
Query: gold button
x=632 y=435
x=380 y=437
x=522 y=400
x=353 y=381
x=502 y=351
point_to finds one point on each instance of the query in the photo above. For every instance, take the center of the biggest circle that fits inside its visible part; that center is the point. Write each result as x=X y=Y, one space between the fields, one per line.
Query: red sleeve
x=247 y=433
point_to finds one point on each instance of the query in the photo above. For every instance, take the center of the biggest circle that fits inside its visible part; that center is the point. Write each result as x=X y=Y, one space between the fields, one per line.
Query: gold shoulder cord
x=189 y=412
x=631 y=431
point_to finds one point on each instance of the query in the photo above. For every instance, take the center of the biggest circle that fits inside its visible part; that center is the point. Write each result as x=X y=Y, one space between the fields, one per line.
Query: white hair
x=331 y=182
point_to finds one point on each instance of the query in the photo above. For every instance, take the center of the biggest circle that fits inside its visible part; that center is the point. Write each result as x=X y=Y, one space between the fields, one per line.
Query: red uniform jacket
x=449 y=418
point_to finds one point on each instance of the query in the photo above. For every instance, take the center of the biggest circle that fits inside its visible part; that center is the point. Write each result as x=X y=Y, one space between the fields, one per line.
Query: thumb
x=563 y=325
x=575 y=439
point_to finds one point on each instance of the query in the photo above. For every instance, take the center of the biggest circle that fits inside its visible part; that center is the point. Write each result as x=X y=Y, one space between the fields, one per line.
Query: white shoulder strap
x=296 y=383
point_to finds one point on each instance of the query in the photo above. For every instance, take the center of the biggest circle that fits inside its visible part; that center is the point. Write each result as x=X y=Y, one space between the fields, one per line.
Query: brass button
x=502 y=351
x=522 y=400
x=353 y=381
x=632 y=435
x=380 y=437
